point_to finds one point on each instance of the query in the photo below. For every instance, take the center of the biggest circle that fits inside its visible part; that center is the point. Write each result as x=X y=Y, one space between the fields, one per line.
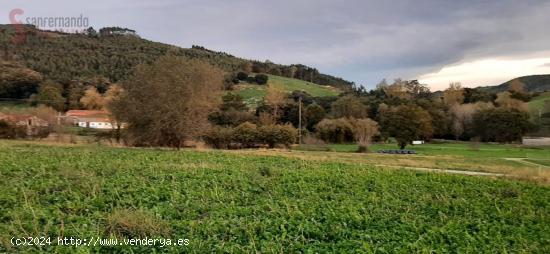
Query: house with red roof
x=95 y=119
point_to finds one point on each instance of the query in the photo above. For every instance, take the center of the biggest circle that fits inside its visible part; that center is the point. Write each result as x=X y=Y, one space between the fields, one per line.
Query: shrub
x=231 y=117
x=6 y=130
x=251 y=79
x=246 y=134
x=219 y=137
x=277 y=134
x=11 y=131
x=242 y=76
x=261 y=79
x=335 y=130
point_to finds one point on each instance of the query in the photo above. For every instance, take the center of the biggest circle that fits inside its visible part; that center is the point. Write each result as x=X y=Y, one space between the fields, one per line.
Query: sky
x=436 y=41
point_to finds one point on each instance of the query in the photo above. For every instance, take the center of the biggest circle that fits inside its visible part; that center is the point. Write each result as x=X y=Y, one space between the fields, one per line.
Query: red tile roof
x=84 y=113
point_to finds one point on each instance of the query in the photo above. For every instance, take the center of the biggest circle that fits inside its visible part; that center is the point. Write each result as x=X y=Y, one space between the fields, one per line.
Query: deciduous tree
x=275 y=98
x=454 y=94
x=349 y=106
x=50 y=94
x=92 y=99
x=168 y=102
x=407 y=123
x=363 y=131
x=501 y=124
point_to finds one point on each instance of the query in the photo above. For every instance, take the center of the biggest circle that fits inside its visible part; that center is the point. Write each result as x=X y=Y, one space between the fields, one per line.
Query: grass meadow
x=253 y=94
x=538 y=102
x=246 y=202
x=532 y=163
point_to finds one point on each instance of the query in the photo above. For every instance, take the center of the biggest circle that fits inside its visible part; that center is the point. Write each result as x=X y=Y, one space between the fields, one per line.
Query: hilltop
x=63 y=57
x=533 y=83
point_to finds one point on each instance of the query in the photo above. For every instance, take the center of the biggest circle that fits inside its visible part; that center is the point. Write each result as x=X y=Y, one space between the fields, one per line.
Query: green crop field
x=253 y=94
x=233 y=202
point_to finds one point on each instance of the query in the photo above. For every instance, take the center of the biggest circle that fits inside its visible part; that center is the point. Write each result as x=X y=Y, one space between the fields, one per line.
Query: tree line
x=177 y=99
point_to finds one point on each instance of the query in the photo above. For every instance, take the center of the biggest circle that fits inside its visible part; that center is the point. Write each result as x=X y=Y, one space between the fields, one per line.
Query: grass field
x=465 y=149
x=13 y=106
x=235 y=202
x=536 y=103
x=253 y=94
x=493 y=158
x=290 y=84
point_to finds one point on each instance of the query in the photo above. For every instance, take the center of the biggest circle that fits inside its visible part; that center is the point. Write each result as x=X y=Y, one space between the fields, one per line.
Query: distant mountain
x=113 y=52
x=533 y=83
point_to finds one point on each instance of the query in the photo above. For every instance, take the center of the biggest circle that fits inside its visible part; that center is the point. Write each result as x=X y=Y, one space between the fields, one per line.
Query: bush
x=231 y=117
x=335 y=130
x=242 y=76
x=6 y=130
x=251 y=80
x=11 y=131
x=261 y=79
x=277 y=134
x=219 y=137
x=246 y=134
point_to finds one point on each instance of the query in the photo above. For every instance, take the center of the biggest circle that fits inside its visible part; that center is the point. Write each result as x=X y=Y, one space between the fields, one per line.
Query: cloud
x=486 y=72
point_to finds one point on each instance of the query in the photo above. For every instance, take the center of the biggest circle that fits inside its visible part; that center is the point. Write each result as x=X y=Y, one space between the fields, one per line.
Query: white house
x=95 y=119
x=94 y=123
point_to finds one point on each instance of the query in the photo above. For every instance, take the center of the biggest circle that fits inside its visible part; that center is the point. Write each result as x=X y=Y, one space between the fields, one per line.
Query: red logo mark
x=19 y=31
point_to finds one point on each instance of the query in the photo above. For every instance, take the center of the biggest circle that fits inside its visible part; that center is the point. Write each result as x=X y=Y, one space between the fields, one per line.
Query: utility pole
x=300 y=120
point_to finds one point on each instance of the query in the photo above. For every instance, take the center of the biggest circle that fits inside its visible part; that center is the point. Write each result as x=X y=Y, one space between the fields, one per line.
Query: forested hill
x=107 y=54
x=533 y=83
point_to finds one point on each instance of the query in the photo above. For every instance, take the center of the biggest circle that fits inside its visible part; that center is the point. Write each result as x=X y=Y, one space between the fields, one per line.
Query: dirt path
x=449 y=171
x=341 y=156
x=528 y=163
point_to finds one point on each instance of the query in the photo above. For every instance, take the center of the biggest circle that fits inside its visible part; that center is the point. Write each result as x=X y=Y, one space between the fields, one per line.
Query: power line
x=28 y=100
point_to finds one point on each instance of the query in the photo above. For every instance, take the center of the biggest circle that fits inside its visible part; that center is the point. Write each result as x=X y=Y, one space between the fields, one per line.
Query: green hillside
x=536 y=103
x=253 y=94
x=64 y=57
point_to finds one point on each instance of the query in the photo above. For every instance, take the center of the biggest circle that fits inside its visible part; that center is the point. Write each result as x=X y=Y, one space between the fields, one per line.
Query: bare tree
x=168 y=102
x=275 y=98
x=454 y=94
x=363 y=131
x=461 y=118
